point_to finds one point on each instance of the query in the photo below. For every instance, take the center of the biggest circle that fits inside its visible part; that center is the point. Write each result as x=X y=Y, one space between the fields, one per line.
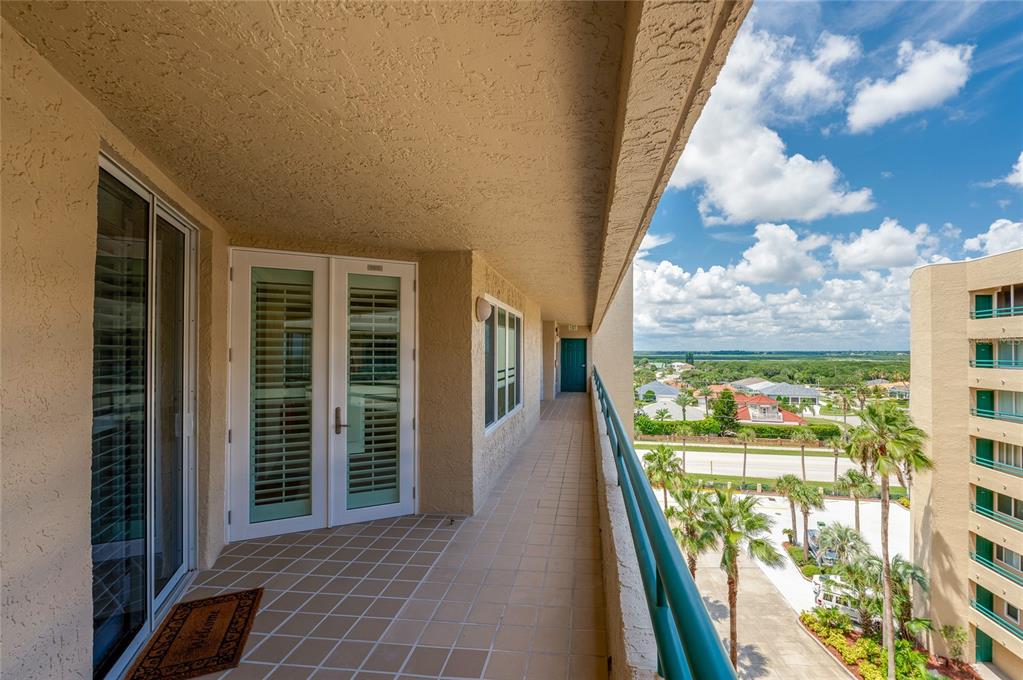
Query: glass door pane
x=119 y=422
x=374 y=390
x=281 y=375
x=168 y=405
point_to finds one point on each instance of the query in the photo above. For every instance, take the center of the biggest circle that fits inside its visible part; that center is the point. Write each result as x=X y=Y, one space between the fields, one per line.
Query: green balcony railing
x=687 y=644
x=997 y=312
x=996 y=363
x=1007 y=520
x=996 y=465
x=1007 y=625
x=997 y=415
x=1013 y=576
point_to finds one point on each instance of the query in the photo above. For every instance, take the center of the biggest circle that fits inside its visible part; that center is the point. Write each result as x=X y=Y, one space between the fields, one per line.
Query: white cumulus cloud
x=780 y=256
x=741 y=165
x=1002 y=236
x=890 y=245
x=929 y=75
x=1015 y=176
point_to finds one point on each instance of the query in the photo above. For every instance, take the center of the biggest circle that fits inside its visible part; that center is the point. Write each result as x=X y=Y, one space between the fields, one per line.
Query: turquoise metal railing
x=996 y=312
x=997 y=415
x=997 y=568
x=687 y=644
x=1007 y=520
x=995 y=465
x=997 y=619
x=996 y=363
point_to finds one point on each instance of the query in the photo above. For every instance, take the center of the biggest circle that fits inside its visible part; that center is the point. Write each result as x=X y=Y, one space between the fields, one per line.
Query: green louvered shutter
x=281 y=394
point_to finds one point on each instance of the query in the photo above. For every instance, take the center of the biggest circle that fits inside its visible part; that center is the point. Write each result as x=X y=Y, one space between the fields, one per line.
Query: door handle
x=337 y=420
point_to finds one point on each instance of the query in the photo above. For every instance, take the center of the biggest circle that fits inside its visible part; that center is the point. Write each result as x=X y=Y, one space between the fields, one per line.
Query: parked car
x=830 y=591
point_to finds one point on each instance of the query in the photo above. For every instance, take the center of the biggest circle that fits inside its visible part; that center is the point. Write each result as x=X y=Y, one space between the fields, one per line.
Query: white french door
x=322 y=392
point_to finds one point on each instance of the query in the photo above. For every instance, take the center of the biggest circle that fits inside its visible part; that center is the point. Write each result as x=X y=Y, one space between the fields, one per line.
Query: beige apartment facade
x=967 y=513
x=341 y=243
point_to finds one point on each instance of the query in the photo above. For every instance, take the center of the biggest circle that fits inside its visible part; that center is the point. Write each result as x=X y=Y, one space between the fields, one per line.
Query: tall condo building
x=967 y=394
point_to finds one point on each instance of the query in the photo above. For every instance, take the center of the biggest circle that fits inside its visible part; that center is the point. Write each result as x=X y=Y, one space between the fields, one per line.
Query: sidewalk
x=772 y=643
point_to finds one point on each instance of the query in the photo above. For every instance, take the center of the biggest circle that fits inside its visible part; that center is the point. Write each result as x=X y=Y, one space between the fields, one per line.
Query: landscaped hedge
x=820 y=430
x=866 y=654
x=646 y=425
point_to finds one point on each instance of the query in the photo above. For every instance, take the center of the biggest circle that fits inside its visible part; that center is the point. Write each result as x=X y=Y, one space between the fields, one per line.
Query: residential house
x=314 y=297
x=760 y=409
x=793 y=394
x=661 y=391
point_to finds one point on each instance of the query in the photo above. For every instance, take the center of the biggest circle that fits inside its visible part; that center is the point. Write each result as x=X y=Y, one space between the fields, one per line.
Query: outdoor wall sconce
x=483 y=309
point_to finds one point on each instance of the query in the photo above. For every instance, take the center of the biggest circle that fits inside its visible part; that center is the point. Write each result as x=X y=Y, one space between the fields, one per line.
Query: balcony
x=996 y=312
x=995 y=465
x=1007 y=416
x=1007 y=520
x=989 y=614
x=514 y=591
x=996 y=363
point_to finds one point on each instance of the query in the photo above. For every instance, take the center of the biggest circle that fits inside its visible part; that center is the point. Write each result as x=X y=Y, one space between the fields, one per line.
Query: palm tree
x=662 y=414
x=861 y=393
x=847 y=543
x=662 y=468
x=684 y=431
x=803 y=436
x=836 y=445
x=860 y=585
x=906 y=576
x=788 y=486
x=688 y=521
x=745 y=435
x=857 y=485
x=888 y=443
x=807 y=497
x=705 y=392
x=844 y=401
x=738 y=528
x=685 y=399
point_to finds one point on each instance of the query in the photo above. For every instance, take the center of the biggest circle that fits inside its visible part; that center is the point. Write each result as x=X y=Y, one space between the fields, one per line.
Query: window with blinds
x=374 y=390
x=503 y=360
x=281 y=394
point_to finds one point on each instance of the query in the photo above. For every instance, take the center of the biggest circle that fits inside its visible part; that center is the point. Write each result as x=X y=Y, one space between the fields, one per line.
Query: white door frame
x=330 y=327
x=242 y=262
x=338 y=449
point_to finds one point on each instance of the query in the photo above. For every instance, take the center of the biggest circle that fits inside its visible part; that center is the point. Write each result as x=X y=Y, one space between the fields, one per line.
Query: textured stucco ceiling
x=407 y=127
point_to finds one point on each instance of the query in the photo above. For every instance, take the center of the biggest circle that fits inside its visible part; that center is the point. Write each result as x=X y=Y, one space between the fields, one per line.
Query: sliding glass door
x=142 y=406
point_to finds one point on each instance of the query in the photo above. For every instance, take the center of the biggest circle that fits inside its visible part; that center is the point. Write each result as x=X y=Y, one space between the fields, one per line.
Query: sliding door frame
x=159 y=604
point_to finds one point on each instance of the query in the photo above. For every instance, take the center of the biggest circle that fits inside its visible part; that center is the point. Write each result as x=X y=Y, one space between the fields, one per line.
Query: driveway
x=772 y=644
x=818 y=469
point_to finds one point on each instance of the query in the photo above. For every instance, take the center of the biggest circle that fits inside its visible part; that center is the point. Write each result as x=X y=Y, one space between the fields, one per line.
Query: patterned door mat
x=199 y=637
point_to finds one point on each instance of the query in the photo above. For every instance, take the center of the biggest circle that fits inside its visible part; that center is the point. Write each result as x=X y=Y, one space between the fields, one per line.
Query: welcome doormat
x=199 y=637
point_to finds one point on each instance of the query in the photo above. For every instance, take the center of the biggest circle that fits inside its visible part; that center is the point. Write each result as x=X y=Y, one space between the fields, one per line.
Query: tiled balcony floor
x=514 y=592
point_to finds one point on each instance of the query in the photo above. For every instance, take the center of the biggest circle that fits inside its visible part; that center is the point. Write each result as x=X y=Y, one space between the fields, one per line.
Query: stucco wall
x=492 y=450
x=446 y=382
x=551 y=349
x=52 y=137
x=612 y=351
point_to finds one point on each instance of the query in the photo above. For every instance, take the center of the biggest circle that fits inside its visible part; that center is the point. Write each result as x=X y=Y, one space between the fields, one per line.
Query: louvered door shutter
x=374 y=388
x=280 y=439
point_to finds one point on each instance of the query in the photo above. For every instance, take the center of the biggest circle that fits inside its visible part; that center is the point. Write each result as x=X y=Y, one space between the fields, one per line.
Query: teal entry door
x=573 y=364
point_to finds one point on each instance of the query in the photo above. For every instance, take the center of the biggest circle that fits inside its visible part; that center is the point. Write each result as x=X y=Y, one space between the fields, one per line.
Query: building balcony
x=1001 y=631
x=995 y=377
x=1008 y=416
x=1007 y=520
x=997 y=312
x=982 y=523
x=516 y=589
x=996 y=363
x=997 y=466
x=996 y=578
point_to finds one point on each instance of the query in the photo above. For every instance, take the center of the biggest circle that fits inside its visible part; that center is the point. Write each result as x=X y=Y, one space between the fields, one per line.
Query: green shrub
x=833 y=617
x=810 y=570
x=820 y=430
x=796 y=553
x=870 y=671
x=644 y=424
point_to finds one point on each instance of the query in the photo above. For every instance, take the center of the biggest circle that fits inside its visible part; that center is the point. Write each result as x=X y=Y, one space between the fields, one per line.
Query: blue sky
x=842 y=146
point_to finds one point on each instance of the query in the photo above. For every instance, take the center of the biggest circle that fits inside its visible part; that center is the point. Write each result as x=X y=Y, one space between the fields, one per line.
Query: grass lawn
x=826 y=411
x=699 y=448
